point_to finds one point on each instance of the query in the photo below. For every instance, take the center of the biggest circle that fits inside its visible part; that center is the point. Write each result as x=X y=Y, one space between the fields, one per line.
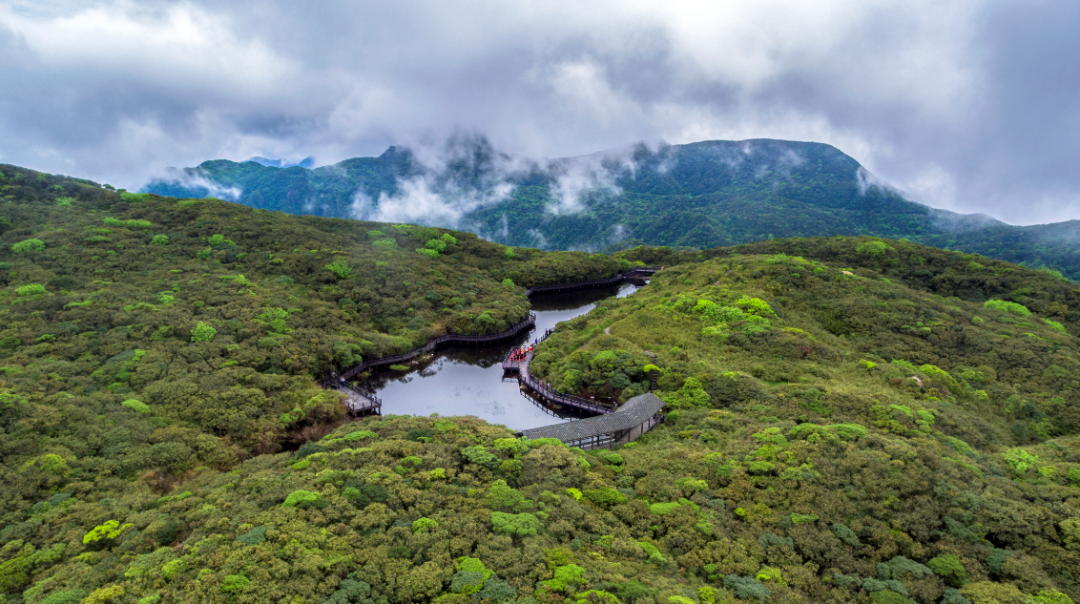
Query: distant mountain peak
x=307 y=163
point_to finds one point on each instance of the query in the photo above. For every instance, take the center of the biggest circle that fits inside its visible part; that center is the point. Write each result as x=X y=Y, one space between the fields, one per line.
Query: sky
x=972 y=105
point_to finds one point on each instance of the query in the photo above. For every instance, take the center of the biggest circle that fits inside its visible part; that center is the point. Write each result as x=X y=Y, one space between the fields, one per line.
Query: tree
x=519 y=525
x=28 y=246
x=340 y=268
x=203 y=333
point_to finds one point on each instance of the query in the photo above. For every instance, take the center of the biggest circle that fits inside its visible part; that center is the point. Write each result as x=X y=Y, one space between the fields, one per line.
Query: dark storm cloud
x=971 y=105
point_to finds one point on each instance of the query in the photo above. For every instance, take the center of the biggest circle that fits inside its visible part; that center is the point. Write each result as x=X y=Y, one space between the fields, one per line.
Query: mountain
x=306 y=163
x=700 y=195
x=847 y=419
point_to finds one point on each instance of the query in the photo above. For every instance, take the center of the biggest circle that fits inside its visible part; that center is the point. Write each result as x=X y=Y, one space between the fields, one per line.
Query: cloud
x=196 y=179
x=971 y=104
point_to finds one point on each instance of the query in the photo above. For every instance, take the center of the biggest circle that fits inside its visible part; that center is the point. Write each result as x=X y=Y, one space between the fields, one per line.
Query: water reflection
x=470 y=382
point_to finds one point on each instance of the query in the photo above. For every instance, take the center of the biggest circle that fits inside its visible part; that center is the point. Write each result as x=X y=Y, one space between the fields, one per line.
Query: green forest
x=848 y=419
x=700 y=195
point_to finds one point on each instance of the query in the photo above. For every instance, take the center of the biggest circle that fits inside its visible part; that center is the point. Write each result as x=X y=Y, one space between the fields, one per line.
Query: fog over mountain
x=701 y=195
x=970 y=106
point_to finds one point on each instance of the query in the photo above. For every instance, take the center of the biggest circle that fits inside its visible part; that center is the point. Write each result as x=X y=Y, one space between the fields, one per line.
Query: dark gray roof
x=631 y=414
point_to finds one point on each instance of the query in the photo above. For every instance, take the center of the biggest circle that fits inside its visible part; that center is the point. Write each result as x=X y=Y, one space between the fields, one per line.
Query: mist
x=969 y=106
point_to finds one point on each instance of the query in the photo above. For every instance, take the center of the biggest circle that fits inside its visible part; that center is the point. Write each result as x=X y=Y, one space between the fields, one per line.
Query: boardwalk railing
x=545 y=392
x=633 y=274
x=359 y=400
x=338 y=380
x=432 y=345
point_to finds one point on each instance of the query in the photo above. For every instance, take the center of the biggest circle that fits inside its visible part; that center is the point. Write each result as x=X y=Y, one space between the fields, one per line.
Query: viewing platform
x=634 y=418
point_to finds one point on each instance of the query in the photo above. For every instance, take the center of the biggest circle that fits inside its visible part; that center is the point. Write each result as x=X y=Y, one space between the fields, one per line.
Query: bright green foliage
x=1052 y=596
x=203 y=333
x=614 y=459
x=769 y=574
x=576 y=494
x=605 y=498
x=596 y=596
x=513 y=446
x=103 y=532
x=875 y=249
x=160 y=240
x=755 y=306
x=1009 y=307
x=340 y=268
x=691 y=394
x=519 y=525
x=566 y=576
x=436 y=245
x=33 y=289
x=948 y=566
x=663 y=509
x=234 y=583
x=28 y=246
x=421 y=524
x=136 y=405
x=508 y=283
x=110 y=594
x=300 y=498
x=502 y=497
x=481 y=456
x=174 y=568
x=423 y=251
x=1055 y=325
x=803 y=518
x=71 y=596
x=1019 y=459
x=470 y=577
x=359 y=435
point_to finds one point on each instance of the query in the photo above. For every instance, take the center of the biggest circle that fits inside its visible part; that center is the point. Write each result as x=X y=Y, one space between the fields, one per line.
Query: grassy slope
x=729 y=489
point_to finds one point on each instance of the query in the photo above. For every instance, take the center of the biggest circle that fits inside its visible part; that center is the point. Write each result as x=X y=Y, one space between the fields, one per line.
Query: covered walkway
x=634 y=418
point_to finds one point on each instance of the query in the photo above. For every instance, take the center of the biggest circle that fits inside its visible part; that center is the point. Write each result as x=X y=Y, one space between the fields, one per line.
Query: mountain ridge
x=701 y=194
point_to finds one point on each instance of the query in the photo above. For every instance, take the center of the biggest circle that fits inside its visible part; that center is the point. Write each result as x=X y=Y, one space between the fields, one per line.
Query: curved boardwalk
x=360 y=401
x=548 y=394
x=444 y=341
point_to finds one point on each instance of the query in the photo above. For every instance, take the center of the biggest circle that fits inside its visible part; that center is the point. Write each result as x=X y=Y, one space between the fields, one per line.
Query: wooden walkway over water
x=437 y=343
x=546 y=393
x=360 y=401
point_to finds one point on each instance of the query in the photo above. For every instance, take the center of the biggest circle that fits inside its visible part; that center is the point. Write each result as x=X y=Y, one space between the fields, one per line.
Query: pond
x=470 y=381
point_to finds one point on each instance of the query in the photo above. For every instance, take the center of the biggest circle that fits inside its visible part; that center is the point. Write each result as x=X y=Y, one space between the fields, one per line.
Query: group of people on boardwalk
x=520 y=354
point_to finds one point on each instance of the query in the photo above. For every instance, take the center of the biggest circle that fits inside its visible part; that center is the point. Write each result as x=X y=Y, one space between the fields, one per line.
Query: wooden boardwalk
x=360 y=401
x=546 y=393
x=634 y=275
x=437 y=343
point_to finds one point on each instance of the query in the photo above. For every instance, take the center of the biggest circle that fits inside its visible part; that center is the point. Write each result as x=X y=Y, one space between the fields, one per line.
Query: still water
x=470 y=381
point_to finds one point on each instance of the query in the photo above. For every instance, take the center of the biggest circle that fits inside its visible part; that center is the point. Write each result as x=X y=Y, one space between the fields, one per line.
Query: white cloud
x=116 y=89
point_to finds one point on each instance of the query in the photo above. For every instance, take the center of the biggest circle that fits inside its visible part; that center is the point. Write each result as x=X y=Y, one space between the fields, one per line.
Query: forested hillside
x=848 y=419
x=702 y=195
x=141 y=333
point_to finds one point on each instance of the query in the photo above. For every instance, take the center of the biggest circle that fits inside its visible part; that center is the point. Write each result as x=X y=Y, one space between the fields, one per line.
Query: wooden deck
x=545 y=392
x=360 y=401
